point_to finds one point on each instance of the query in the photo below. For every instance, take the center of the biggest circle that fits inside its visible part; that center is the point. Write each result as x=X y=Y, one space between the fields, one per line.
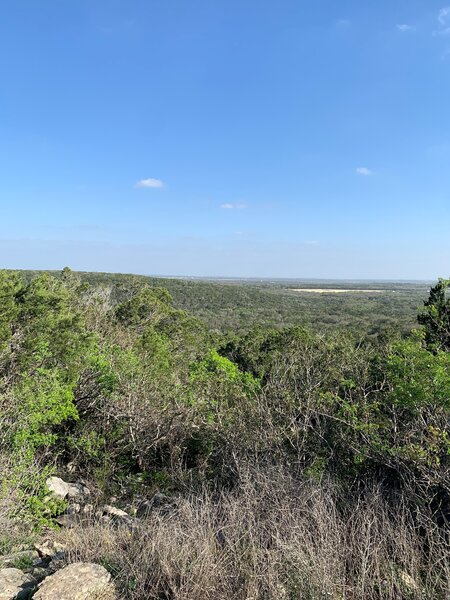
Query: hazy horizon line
x=240 y=277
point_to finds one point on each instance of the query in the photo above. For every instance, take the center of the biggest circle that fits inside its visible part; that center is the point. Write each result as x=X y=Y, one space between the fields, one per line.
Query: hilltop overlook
x=239 y=388
x=159 y=452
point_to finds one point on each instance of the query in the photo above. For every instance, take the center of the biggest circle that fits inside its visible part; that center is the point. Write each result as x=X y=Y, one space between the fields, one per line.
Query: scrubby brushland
x=288 y=463
x=239 y=305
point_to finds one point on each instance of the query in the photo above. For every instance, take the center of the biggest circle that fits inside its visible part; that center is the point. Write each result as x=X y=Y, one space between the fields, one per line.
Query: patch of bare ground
x=338 y=291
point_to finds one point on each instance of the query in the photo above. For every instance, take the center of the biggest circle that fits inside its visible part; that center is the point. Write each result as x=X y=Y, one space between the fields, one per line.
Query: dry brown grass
x=338 y=291
x=272 y=539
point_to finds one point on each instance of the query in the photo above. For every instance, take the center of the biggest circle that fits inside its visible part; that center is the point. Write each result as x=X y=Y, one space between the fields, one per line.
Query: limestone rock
x=116 y=516
x=15 y=585
x=62 y=489
x=78 y=581
x=112 y=511
x=57 y=487
x=49 y=548
x=77 y=491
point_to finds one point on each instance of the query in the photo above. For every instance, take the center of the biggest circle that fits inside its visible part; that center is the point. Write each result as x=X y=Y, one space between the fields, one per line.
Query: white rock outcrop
x=78 y=581
x=15 y=585
x=61 y=489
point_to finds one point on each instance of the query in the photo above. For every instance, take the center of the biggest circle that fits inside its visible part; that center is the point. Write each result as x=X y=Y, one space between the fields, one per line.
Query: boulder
x=49 y=548
x=116 y=516
x=78 y=581
x=57 y=487
x=112 y=511
x=77 y=491
x=15 y=585
x=61 y=489
x=52 y=557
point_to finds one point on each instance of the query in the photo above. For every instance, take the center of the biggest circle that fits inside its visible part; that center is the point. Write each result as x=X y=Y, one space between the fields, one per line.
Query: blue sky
x=234 y=138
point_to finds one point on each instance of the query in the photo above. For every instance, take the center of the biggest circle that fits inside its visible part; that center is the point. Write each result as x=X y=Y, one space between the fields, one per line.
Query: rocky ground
x=42 y=571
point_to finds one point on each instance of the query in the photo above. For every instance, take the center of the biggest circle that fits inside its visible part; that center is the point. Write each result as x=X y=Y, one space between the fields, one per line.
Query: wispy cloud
x=311 y=242
x=343 y=23
x=444 y=22
x=149 y=183
x=233 y=206
x=444 y=16
x=405 y=28
x=364 y=171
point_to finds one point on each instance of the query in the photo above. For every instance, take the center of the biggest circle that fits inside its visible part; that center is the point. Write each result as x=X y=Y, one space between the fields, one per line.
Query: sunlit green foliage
x=436 y=317
x=10 y=285
x=147 y=306
x=420 y=379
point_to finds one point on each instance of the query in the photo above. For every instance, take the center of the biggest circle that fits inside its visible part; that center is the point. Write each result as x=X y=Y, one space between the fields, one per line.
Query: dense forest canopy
x=238 y=305
x=108 y=378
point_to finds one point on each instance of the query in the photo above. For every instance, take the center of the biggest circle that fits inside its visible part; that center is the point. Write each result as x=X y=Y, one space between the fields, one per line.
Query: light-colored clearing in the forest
x=336 y=291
